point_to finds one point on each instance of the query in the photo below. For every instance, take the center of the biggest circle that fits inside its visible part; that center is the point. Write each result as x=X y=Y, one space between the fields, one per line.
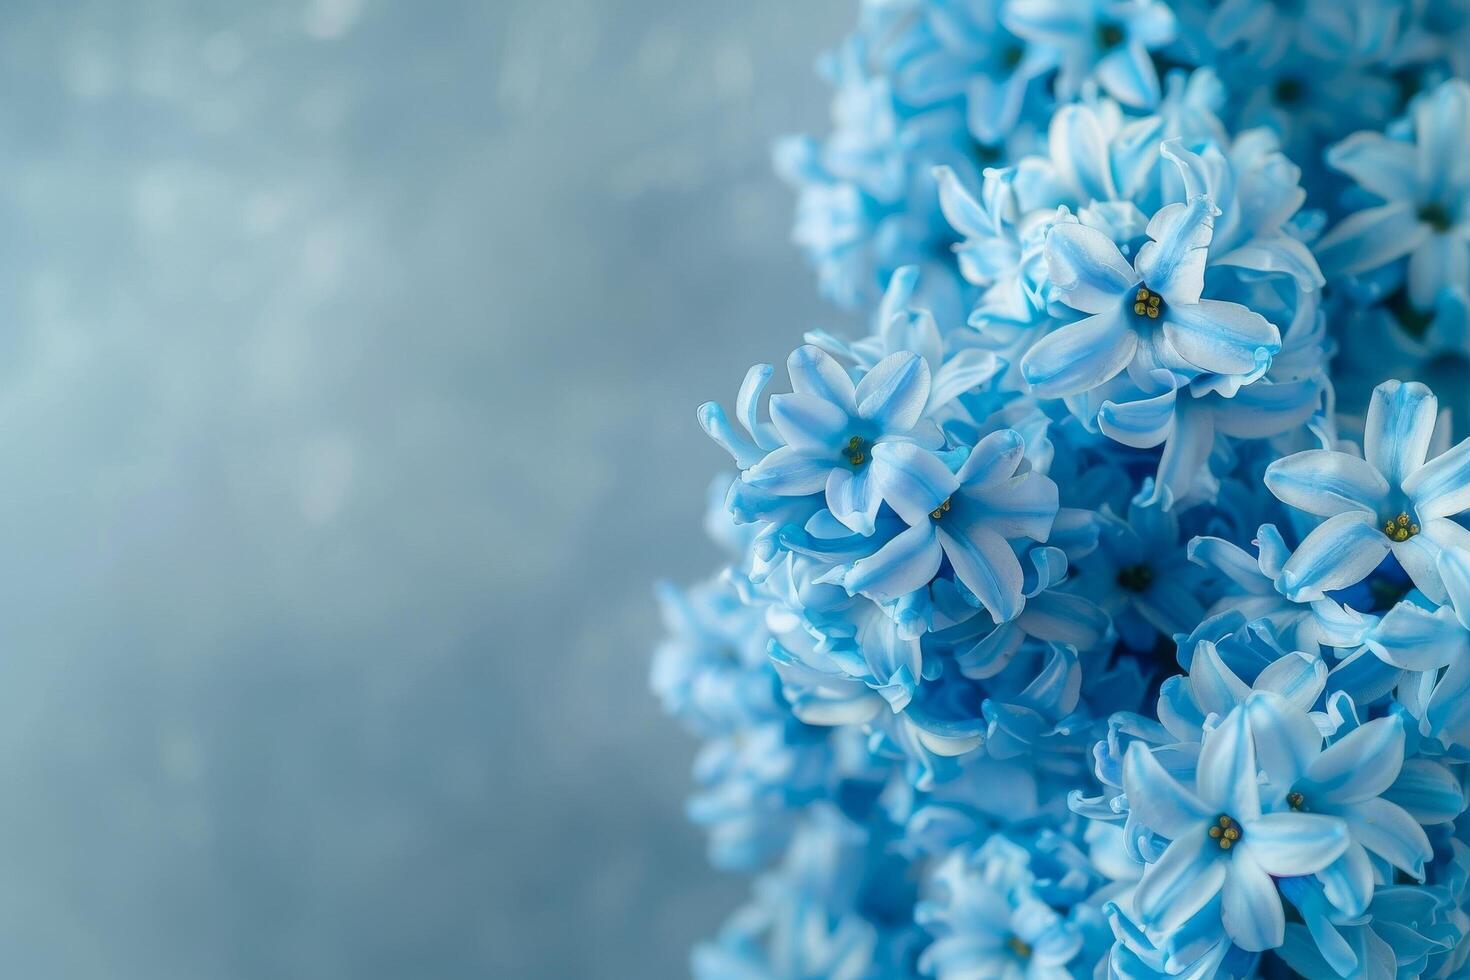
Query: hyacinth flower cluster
x=1104 y=609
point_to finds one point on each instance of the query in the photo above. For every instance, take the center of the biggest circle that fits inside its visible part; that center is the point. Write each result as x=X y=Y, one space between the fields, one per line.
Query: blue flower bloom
x=1425 y=189
x=1148 y=316
x=1224 y=838
x=967 y=518
x=1013 y=670
x=1105 y=40
x=990 y=922
x=1391 y=502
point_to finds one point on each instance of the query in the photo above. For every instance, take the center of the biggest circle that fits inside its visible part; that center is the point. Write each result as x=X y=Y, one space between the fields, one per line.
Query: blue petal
x=788 y=473
x=814 y=372
x=1389 y=832
x=908 y=562
x=1216 y=690
x=966 y=369
x=994 y=459
x=1327 y=483
x=1277 y=254
x=1453 y=566
x=1298 y=677
x=1142 y=424
x=853 y=498
x=1080 y=356
x=994 y=105
x=1439 y=262
x=1220 y=337
x=1428 y=790
x=1441 y=487
x=1287 y=740
x=1415 y=638
x=987 y=566
x=1372 y=238
x=1348 y=882
x=1342 y=551
x=717 y=426
x=1286 y=844
x=1226 y=777
x=1443 y=137
x=1173 y=264
x=1060 y=617
x=1128 y=75
x=1250 y=906
x=1378 y=164
x=1184 y=879
x=1022 y=507
x=1088 y=271
x=747 y=405
x=912 y=480
x=808 y=424
x=894 y=393
x=1080 y=154
x=1261 y=410
x=1360 y=765
x=1398 y=430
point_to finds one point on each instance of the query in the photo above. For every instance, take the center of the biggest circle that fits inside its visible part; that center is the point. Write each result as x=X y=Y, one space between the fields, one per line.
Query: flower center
x=856 y=451
x=1415 y=323
x=1011 y=56
x=1296 y=801
x=1020 y=947
x=1436 y=216
x=1225 y=832
x=941 y=510
x=1288 y=91
x=1400 y=528
x=1147 y=303
x=1109 y=36
x=1136 y=578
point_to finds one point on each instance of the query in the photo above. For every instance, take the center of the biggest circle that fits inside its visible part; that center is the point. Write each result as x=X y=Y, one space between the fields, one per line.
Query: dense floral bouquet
x=1105 y=611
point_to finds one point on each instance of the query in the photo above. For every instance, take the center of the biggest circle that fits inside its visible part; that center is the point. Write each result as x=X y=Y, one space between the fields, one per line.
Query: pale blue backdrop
x=349 y=352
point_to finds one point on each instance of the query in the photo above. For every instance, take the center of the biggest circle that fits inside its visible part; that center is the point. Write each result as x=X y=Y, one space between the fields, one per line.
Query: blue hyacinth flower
x=1391 y=502
x=1147 y=316
x=1224 y=838
x=967 y=518
x=1425 y=189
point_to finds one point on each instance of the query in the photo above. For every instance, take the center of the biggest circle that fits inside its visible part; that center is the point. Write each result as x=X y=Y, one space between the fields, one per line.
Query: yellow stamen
x=1400 y=528
x=1147 y=303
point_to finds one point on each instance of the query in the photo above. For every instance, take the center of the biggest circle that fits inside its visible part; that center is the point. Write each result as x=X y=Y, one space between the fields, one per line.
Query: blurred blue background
x=348 y=366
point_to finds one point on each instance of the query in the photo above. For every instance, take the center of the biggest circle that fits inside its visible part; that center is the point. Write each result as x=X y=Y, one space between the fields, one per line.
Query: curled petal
x=788 y=473
x=993 y=460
